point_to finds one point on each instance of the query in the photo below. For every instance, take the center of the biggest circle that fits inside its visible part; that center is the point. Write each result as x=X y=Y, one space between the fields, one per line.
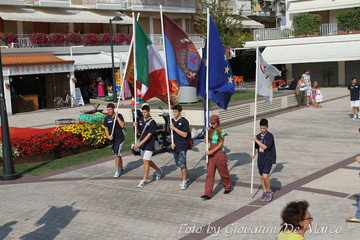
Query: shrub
x=90 y=38
x=15 y=152
x=348 y=20
x=38 y=38
x=56 y=38
x=47 y=142
x=306 y=23
x=73 y=38
x=104 y=38
x=92 y=133
x=119 y=37
x=9 y=37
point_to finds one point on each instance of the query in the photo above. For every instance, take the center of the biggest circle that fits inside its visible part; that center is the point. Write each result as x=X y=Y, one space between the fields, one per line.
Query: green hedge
x=306 y=23
x=348 y=20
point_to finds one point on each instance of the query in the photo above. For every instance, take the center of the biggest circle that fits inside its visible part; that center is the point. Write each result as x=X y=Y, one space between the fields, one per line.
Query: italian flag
x=149 y=66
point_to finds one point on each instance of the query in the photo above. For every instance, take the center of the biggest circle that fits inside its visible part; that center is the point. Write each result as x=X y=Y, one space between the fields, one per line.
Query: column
x=20 y=28
x=151 y=25
x=183 y=24
x=341 y=73
x=289 y=73
x=72 y=85
x=7 y=92
x=71 y=27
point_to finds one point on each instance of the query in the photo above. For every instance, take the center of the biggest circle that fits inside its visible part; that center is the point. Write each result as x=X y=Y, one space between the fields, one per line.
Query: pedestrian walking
x=147 y=131
x=180 y=127
x=217 y=158
x=354 y=89
x=313 y=93
x=356 y=218
x=296 y=220
x=116 y=136
x=265 y=147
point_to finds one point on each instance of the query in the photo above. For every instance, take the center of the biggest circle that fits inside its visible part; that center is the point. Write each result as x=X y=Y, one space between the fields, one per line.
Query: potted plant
x=73 y=38
x=348 y=21
x=11 y=37
x=306 y=24
x=90 y=39
x=327 y=74
x=56 y=38
x=38 y=38
x=7 y=85
x=104 y=38
x=74 y=80
x=119 y=37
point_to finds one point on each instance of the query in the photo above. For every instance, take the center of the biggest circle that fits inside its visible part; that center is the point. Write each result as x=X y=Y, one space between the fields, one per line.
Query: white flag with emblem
x=267 y=73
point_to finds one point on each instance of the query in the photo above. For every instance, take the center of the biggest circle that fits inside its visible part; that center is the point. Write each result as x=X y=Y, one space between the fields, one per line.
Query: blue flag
x=221 y=79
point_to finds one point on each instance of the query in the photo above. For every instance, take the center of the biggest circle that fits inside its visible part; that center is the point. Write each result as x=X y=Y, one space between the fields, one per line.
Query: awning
x=249 y=23
x=59 y=15
x=25 y=60
x=316 y=5
x=309 y=53
x=92 y=61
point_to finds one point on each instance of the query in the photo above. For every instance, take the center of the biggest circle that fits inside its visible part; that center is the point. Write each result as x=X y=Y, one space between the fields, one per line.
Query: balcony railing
x=24 y=41
x=277 y=33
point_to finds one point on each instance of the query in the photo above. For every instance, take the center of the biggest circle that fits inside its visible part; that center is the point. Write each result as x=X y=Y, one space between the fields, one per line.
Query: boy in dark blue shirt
x=147 y=130
x=265 y=147
x=116 y=136
x=354 y=89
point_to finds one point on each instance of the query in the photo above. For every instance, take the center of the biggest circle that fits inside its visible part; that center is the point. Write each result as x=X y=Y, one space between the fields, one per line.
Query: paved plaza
x=316 y=150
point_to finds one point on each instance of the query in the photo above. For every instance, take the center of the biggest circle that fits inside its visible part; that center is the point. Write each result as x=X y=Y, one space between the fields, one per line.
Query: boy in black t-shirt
x=180 y=126
x=147 y=131
x=354 y=89
x=116 y=137
x=265 y=146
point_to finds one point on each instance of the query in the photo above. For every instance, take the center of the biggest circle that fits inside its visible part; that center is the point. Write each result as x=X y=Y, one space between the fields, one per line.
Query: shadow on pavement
x=6 y=229
x=53 y=221
x=133 y=165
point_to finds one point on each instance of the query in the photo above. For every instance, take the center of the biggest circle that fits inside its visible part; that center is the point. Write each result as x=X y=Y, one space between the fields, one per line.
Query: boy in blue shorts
x=265 y=147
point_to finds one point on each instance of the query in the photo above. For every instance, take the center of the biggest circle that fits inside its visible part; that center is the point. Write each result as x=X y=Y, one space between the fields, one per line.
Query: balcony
x=25 y=42
x=327 y=29
x=183 y=6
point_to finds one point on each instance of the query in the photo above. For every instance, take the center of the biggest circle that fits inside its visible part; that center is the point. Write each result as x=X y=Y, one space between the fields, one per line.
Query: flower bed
x=9 y=37
x=90 y=38
x=38 y=38
x=104 y=38
x=56 y=38
x=73 y=38
x=119 y=37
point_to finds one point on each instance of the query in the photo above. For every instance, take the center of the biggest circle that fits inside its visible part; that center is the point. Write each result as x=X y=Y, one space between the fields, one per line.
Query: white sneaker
x=117 y=174
x=354 y=117
x=184 y=185
x=187 y=182
x=159 y=174
x=358 y=115
x=142 y=184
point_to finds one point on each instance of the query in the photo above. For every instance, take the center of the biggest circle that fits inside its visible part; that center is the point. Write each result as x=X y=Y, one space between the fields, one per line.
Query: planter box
x=314 y=34
x=300 y=35
x=49 y=156
x=355 y=31
x=342 y=32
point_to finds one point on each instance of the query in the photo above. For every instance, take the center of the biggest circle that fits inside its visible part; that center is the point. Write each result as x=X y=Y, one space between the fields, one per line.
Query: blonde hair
x=218 y=131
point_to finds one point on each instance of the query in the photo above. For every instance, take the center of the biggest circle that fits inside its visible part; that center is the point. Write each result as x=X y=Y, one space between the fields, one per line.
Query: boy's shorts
x=264 y=168
x=146 y=154
x=117 y=148
x=180 y=159
x=355 y=103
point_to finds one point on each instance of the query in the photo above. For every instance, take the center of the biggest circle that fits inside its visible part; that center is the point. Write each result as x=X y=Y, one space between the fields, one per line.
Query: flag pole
x=135 y=75
x=255 y=108
x=122 y=80
x=207 y=81
x=166 y=73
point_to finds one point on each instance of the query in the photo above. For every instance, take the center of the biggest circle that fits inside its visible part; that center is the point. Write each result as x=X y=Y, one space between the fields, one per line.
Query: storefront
x=33 y=81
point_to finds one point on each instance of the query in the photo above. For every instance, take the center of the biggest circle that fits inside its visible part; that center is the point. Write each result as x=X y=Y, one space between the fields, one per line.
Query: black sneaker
x=205 y=197
x=227 y=191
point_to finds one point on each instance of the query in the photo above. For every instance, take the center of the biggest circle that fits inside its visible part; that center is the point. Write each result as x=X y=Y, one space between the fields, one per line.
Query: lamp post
x=116 y=18
x=8 y=162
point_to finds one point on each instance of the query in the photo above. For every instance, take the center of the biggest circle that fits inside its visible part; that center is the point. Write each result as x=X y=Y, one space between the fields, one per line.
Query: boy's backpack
x=191 y=142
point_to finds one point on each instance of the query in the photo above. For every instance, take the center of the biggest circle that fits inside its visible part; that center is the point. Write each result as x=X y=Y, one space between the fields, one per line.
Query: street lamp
x=116 y=18
x=8 y=162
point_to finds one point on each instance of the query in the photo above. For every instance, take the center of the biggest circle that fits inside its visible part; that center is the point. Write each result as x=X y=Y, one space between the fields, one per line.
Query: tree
x=227 y=23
